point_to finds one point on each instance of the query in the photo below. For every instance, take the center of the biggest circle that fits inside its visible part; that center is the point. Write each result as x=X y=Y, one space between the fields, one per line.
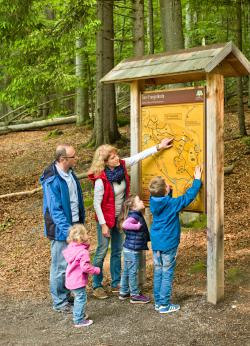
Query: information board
x=178 y=114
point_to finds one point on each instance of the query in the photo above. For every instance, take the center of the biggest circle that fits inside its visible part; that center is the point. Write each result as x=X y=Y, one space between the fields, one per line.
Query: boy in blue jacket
x=165 y=236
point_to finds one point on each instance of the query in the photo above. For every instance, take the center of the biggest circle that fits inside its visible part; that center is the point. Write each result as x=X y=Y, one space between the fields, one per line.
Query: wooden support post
x=215 y=188
x=136 y=87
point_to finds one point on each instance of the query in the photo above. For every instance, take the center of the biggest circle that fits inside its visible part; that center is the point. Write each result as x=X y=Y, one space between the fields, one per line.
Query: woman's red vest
x=108 y=201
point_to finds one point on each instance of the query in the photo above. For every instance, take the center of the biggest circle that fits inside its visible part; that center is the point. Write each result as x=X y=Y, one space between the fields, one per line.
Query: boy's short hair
x=157 y=187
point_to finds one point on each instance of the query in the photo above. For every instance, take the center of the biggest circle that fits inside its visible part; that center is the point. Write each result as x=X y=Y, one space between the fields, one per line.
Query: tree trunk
x=82 y=101
x=188 y=21
x=241 y=115
x=150 y=27
x=106 y=130
x=171 y=24
x=37 y=124
x=138 y=27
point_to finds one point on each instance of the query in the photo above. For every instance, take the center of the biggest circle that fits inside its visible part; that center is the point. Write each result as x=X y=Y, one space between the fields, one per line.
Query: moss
x=246 y=141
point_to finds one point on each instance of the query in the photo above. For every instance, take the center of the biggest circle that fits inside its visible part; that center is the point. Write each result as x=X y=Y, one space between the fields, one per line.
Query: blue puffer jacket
x=165 y=228
x=137 y=240
x=56 y=204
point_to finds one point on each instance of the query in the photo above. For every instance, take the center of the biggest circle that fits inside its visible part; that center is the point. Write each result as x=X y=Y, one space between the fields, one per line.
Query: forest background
x=53 y=53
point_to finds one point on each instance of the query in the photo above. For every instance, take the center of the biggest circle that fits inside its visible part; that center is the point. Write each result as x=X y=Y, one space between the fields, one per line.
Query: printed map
x=184 y=123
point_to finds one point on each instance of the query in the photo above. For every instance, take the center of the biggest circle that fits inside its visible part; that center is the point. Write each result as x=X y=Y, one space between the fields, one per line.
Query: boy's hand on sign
x=165 y=143
x=197 y=172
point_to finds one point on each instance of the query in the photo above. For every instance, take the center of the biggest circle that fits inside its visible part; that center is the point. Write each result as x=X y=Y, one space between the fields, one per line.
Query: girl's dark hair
x=127 y=206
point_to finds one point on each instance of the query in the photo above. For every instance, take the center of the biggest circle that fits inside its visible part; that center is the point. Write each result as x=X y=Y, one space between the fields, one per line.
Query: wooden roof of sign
x=181 y=66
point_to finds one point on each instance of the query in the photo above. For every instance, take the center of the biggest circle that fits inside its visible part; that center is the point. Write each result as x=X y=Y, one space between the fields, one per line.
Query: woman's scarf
x=116 y=175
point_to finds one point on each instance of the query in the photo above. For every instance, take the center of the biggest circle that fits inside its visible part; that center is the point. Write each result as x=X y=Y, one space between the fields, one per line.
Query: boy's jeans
x=129 y=281
x=79 y=304
x=116 y=238
x=58 y=267
x=164 y=264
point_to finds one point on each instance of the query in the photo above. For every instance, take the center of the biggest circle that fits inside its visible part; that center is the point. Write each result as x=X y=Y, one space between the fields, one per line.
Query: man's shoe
x=115 y=289
x=139 y=299
x=66 y=309
x=84 y=323
x=169 y=308
x=99 y=293
x=124 y=296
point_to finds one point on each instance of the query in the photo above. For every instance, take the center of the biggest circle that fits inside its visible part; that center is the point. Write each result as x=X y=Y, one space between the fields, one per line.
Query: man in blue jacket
x=62 y=207
x=165 y=236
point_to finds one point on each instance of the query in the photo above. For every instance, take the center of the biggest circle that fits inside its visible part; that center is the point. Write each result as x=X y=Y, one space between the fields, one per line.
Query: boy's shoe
x=124 y=296
x=157 y=307
x=84 y=323
x=99 y=293
x=66 y=309
x=169 y=308
x=139 y=299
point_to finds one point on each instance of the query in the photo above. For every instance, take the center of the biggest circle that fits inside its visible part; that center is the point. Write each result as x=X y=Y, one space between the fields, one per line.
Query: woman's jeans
x=58 y=267
x=164 y=264
x=116 y=238
x=80 y=301
x=129 y=280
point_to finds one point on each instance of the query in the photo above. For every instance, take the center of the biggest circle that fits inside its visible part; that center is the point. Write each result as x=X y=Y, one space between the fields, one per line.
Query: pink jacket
x=79 y=266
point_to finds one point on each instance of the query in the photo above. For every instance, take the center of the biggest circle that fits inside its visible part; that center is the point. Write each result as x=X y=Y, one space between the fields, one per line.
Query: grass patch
x=6 y=224
x=236 y=276
x=197 y=267
x=200 y=222
x=53 y=134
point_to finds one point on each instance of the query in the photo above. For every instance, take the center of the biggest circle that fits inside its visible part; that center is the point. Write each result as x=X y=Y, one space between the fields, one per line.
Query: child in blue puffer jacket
x=137 y=236
x=165 y=236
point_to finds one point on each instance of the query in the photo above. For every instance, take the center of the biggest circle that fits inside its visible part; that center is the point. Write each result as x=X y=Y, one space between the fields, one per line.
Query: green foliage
x=123 y=120
x=197 y=267
x=88 y=202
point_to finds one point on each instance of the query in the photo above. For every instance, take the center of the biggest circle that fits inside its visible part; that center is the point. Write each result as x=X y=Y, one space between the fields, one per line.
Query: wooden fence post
x=215 y=188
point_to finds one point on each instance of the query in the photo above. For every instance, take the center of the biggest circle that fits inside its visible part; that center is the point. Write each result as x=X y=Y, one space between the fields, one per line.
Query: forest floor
x=26 y=317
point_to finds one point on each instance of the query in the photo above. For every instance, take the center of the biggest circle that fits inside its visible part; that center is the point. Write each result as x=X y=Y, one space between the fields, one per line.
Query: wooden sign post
x=210 y=63
x=215 y=188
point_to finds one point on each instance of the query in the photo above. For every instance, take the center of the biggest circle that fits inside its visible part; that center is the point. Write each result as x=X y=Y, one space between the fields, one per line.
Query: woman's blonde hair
x=77 y=233
x=100 y=158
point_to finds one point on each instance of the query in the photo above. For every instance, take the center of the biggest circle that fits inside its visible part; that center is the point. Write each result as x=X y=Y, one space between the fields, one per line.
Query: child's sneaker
x=84 y=323
x=157 y=307
x=169 y=308
x=139 y=299
x=124 y=296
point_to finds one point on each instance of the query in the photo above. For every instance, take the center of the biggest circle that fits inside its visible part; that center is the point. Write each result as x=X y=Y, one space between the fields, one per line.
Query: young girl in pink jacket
x=79 y=266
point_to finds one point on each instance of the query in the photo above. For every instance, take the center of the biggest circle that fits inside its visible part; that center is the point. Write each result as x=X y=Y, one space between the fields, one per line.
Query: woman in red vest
x=111 y=187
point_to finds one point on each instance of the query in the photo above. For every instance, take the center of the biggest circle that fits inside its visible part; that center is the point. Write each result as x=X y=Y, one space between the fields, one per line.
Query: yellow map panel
x=184 y=123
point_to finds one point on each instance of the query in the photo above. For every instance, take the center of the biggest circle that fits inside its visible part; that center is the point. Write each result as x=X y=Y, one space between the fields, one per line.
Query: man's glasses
x=69 y=157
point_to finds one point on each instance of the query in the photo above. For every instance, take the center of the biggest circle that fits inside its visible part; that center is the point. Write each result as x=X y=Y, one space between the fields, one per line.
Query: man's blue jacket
x=56 y=204
x=165 y=229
